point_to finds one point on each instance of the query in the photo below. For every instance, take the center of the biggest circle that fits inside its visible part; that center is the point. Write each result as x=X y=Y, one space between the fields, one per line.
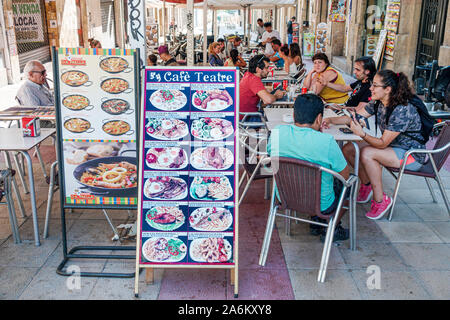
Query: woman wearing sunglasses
x=400 y=125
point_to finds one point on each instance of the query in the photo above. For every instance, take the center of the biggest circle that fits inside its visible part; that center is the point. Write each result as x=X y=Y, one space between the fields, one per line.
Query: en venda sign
x=28 y=21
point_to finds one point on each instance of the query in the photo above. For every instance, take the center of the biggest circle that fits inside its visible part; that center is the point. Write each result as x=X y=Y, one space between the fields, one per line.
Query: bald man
x=35 y=92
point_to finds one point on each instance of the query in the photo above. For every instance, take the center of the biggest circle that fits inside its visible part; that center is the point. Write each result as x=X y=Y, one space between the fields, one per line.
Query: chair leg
x=444 y=194
x=250 y=180
x=288 y=222
x=267 y=236
x=41 y=162
x=431 y=190
x=11 y=211
x=326 y=249
x=50 y=198
x=394 y=197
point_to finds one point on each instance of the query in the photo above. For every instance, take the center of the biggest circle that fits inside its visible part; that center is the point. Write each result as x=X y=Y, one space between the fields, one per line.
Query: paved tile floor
x=411 y=253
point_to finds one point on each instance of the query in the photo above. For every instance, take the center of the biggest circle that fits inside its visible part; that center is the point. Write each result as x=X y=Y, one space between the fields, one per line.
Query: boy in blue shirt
x=303 y=140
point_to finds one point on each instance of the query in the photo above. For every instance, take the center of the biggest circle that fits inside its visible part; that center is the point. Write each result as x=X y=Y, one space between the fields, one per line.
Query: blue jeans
x=289 y=38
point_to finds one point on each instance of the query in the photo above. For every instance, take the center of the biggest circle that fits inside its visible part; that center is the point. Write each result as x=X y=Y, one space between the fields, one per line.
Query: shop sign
x=28 y=21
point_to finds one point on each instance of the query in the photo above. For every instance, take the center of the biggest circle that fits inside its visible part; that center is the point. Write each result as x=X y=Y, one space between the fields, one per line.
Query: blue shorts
x=411 y=163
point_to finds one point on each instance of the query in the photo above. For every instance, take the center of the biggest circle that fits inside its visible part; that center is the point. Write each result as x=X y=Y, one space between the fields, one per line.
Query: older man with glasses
x=35 y=91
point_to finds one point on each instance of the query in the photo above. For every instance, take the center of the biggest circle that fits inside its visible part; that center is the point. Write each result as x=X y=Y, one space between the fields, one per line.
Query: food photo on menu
x=212 y=156
x=210 y=249
x=100 y=169
x=168 y=99
x=164 y=186
x=210 y=218
x=167 y=127
x=211 y=100
x=164 y=248
x=212 y=126
x=210 y=187
x=167 y=157
x=165 y=216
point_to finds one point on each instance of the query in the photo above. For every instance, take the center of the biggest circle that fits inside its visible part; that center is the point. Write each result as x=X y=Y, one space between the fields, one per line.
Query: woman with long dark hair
x=235 y=60
x=400 y=125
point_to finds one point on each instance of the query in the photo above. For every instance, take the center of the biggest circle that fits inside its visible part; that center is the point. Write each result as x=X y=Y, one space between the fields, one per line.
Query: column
x=190 y=32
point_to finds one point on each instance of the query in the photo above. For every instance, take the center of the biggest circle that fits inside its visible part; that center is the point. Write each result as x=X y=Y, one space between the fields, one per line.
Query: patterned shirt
x=402 y=119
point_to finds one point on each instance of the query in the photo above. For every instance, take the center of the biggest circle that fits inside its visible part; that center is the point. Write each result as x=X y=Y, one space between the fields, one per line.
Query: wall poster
x=97 y=111
x=337 y=10
x=391 y=25
x=188 y=192
x=321 y=37
x=308 y=44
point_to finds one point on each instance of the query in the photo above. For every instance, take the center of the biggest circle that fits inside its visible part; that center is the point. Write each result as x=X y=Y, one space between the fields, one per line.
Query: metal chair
x=251 y=141
x=436 y=159
x=299 y=189
x=5 y=192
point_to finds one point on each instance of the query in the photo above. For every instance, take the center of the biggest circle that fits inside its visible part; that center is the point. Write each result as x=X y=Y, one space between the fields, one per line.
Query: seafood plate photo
x=210 y=250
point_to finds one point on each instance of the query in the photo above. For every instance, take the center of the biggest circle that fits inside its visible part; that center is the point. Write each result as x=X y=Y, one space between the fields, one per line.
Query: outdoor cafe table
x=12 y=139
x=275 y=118
x=278 y=78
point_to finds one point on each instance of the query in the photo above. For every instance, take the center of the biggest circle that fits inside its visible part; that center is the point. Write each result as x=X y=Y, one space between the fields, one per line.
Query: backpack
x=427 y=121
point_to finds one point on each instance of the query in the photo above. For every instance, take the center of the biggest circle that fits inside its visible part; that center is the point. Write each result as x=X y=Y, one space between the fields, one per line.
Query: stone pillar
x=356 y=34
x=444 y=51
x=190 y=32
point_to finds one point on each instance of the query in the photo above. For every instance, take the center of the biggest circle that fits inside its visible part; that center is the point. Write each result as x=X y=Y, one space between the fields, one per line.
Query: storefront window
x=374 y=17
x=375 y=14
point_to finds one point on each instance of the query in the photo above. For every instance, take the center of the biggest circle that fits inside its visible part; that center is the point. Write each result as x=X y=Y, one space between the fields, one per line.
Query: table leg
x=33 y=197
x=14 y=184
x=21 y=173
x=353 y=204
x=38 y=152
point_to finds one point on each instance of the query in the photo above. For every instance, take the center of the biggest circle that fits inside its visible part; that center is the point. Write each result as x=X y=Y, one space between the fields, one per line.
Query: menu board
x=308 y=44
x=337 y=10
x=321 y=37
x=391 y=25
x=97 y=112
x=371 y=45
x=187 y=212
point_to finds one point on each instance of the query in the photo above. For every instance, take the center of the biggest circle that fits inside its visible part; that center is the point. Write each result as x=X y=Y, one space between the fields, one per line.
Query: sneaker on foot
x=365 y=193
x=315 y=229
x=378 y=209
x=340 y=234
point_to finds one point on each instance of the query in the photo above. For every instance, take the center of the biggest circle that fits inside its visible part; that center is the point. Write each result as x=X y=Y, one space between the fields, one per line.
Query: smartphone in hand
x=345 y=130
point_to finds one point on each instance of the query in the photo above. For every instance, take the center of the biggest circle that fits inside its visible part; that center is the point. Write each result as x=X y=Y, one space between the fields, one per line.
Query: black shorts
x=337 y=187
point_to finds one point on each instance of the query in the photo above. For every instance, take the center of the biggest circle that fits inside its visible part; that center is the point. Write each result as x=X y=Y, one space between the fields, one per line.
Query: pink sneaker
x=377 y=210
x=365 y=193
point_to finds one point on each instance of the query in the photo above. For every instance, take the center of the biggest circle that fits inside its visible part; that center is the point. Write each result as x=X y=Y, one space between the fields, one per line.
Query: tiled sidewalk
x=412 y=253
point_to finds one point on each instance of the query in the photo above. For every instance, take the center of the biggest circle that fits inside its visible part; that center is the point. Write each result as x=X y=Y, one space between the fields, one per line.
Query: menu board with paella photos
x=188 y=190
x=97 y=99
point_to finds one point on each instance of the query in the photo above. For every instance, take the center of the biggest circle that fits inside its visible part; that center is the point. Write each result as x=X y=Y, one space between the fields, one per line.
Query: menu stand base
x=71 y=254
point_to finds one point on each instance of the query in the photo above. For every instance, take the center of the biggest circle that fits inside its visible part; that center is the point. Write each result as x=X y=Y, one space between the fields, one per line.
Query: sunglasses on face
x=43 y=72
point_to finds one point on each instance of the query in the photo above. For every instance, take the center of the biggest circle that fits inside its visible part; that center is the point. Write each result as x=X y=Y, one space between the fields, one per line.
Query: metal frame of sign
x=233 y=265
x=60 y=157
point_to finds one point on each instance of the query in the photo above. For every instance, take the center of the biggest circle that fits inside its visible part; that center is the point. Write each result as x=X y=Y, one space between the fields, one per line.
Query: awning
x=228 y=4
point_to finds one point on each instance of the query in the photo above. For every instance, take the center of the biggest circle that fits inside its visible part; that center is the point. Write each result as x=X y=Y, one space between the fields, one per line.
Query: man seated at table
x=35 y=91
x=252 y=90
x=303 y=140
x=275 y=57
x=234 y=43
x=364 y=71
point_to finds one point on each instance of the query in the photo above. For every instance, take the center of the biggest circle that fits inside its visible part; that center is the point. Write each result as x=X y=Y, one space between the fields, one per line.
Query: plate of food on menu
x=165 y=188
x=168 y=100
x=211 y=100
x=115 y=85
x=77 y=102
x=211 y=129
x=165 y=218
x=170 y=158
x=78 y=125
x=211 y=188
x=210 y=250
x=212 y=158
x=166 y=129
x=164 y=249
x=116 y=106
x=210 y=219
x=117 y=127
x=75 y=78
x=114 y=65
